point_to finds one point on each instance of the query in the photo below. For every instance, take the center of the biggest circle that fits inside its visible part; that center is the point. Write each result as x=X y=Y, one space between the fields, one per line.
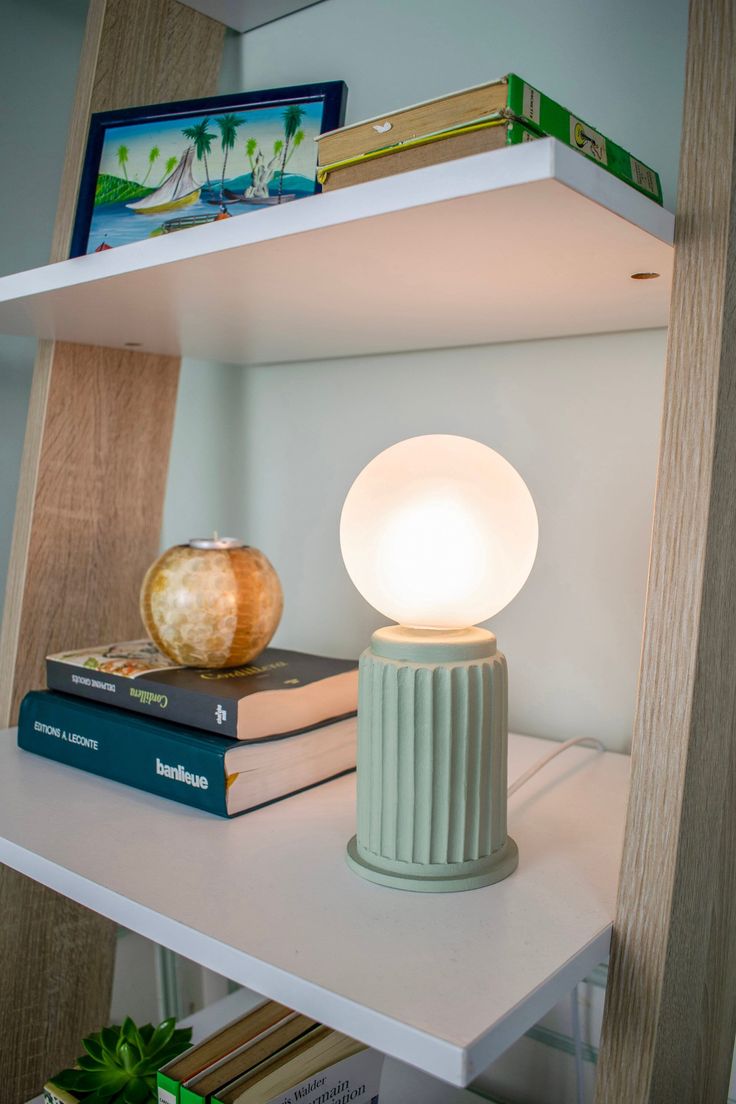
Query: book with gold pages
x=322 y=1066
x=487 y=116
x=201 y=1088
x=219 y=1046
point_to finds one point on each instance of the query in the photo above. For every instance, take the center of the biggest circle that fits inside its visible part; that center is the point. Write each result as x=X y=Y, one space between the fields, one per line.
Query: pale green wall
x=270 y=453
x=579 y=417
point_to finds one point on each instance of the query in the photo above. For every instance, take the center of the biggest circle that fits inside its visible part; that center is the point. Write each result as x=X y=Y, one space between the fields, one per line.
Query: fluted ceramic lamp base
x=432 y=762
x=424 y=878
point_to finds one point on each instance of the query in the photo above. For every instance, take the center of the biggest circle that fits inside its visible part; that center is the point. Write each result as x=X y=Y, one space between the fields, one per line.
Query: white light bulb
x=439 y=532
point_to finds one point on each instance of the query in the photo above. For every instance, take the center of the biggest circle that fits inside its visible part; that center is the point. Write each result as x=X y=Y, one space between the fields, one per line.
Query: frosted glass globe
x=439 y=532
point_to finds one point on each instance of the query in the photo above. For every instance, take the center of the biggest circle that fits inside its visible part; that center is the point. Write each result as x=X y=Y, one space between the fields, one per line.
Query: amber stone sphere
x=211 y=607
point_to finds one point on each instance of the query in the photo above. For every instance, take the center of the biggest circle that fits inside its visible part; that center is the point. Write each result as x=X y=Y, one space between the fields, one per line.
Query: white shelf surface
x=246 y=15
x=443 y=982
x=525 y=242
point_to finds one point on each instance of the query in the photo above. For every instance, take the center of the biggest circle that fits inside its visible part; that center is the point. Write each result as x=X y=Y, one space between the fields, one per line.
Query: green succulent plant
x=120 y=1063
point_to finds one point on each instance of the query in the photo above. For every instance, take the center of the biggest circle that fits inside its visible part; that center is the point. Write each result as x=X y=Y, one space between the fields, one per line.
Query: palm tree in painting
x=123 y=159
x=250 y=148
x=153 y=155
x=228 y=125
x=292 y=117
x=169 y=168
x=202 y=139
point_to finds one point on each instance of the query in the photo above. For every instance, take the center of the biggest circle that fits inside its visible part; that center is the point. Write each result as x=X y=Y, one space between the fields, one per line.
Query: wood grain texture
x=671 y=1006
x=87 y=524
x=98 y=499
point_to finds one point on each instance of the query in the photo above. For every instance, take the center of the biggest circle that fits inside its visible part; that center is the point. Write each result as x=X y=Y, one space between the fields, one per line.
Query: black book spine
x=145 y=695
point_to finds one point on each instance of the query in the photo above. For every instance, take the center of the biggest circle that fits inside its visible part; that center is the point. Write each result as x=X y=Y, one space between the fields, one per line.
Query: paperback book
x=181 y=763
x=277 y=693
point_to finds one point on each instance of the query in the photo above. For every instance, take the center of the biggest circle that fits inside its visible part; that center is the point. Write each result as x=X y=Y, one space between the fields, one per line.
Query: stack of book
x=272 y=1055
x=224 y=741
x=501 y=113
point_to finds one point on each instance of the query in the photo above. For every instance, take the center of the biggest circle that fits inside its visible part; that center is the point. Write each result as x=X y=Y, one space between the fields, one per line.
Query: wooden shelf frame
x=674 y=960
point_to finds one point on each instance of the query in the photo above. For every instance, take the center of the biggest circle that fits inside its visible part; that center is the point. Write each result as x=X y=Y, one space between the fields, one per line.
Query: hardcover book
x=207 y=772
x=438 y=123
x=430 y=149
x=277 y=693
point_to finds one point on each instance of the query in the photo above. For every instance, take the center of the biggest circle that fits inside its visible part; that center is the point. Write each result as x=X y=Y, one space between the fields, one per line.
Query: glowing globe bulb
x=439 y=532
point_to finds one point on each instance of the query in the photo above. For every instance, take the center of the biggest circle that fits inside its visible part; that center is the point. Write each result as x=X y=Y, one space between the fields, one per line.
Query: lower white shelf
x=445 y=983
x=400 y=1084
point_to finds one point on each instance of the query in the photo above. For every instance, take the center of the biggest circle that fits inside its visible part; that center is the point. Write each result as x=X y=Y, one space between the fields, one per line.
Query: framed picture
x=156 y=170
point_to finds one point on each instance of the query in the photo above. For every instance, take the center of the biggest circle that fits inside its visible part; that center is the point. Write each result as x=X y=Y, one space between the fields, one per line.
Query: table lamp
x=438 y=533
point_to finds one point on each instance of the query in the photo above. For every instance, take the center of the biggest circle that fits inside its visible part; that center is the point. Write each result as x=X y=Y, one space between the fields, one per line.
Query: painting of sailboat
x=202 y=161
x=178 y=190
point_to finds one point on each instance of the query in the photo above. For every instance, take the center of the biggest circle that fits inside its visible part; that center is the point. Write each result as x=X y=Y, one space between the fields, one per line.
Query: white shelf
x=526 y=242
x=443 y=982
x=246 y=15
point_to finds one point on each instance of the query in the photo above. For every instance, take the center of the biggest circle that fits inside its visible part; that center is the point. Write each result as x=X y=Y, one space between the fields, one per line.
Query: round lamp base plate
x=499 y=865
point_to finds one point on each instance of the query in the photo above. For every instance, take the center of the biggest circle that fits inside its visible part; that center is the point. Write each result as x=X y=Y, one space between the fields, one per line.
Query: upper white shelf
x=246 y=15
x=525 y=242
x=444 y=982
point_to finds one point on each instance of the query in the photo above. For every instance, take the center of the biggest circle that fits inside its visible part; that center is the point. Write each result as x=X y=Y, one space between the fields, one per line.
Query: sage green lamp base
x=432 y=761
x=420 y=878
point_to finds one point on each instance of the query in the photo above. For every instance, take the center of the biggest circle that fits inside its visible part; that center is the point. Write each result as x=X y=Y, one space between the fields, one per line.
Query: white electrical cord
x=557 y=750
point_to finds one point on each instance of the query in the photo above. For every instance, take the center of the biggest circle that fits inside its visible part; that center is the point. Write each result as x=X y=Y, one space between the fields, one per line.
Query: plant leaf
x=109 y=1037
x=162 y=1035
x=130 y=1032
x=93 y=1046
x=136 y=1092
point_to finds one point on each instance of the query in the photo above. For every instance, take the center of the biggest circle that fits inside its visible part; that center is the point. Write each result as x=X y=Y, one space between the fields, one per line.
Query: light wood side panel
x=87 y=523
x=99 y=493
x=671 y=1005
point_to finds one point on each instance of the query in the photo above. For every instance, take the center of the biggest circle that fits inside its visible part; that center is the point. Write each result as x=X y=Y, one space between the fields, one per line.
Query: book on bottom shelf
x=212 y=773
x=272 y=1055
x=218 y=1048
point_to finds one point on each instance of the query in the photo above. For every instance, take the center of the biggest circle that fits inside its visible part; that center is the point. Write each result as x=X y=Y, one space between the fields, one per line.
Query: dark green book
x=183 y=764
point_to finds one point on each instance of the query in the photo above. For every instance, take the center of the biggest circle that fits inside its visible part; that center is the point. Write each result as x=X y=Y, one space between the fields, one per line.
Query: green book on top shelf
x=473 y=120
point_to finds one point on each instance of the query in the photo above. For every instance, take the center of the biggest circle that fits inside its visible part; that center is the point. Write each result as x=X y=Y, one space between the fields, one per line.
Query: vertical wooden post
x=671 y=1008
x=87 y=525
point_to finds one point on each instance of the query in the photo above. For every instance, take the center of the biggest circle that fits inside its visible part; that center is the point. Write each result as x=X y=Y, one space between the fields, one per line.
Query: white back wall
x=578 y=417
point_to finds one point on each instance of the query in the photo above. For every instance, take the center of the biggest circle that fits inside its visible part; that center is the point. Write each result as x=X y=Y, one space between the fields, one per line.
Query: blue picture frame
x=115 y=207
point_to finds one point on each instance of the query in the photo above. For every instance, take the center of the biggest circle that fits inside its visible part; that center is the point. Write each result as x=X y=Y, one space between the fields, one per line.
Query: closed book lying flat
x=200 y=1089
x=208 y=772
x=431 y=149
x=277 y=693
x=323 y=1066
x=219 y=1046
x=510 y=97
